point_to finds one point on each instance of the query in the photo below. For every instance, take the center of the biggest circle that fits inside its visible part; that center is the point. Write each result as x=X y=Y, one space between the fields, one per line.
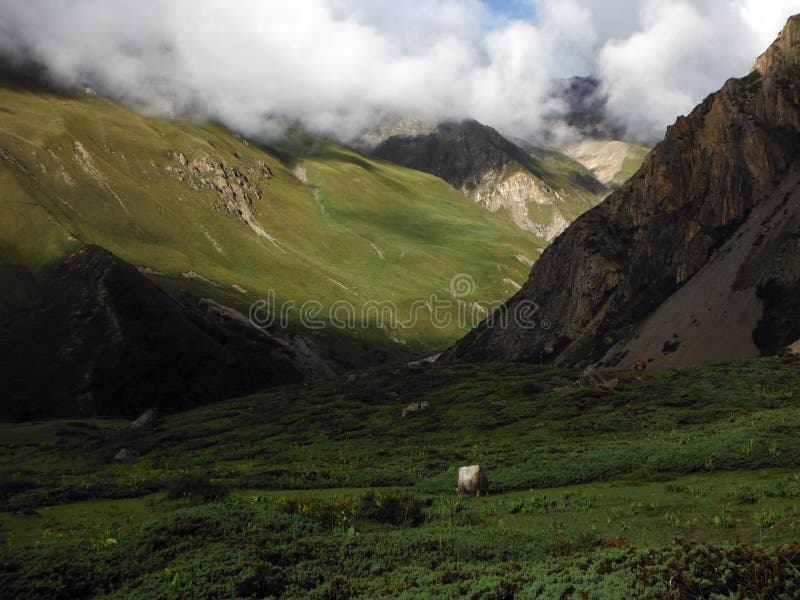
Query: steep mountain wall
x=621 y=260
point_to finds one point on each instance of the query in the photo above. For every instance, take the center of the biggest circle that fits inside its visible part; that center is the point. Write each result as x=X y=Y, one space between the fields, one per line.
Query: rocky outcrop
x=620 y=261
x=513 y=193
x=783 y=54
x=236 y=190
x=145 y=421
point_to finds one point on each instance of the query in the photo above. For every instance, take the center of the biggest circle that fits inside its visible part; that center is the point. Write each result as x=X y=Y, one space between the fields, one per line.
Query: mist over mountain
x=367 y=299
x=335 y=65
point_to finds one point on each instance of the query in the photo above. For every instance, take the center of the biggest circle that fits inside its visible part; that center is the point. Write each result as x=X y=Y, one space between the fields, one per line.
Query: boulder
x=414 y=407
x=125 y=455
x=610 y=384
x=145 y=422
x=591 y=376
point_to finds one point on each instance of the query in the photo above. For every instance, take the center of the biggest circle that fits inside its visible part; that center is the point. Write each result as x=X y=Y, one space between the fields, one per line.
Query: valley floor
x=673 y=484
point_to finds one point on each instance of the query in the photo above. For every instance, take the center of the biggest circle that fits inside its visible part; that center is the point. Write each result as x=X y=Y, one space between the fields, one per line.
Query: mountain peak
x=460 y=152
x=784 y=51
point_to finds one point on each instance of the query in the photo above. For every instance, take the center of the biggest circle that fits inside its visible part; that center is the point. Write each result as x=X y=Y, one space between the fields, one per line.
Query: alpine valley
x=189 y=409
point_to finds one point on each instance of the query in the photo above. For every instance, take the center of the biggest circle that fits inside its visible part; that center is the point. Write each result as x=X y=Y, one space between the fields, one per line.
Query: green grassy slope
x=85 y=170
x=576 y=187
x=630 y=166
x=334 y=494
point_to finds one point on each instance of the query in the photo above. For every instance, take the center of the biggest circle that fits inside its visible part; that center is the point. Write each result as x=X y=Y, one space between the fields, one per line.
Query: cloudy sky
x=335 y=64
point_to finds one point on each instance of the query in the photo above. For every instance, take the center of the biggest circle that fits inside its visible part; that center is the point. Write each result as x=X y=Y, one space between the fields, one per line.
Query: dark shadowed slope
x=458 y=152
x=91 y=335
x=722 y=183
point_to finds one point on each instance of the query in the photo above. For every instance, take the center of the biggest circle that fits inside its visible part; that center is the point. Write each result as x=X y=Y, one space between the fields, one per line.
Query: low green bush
x=196 y=487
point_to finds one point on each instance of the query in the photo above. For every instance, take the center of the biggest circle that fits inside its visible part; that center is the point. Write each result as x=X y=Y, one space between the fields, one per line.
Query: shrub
x=11 y=485
x=532 y=388
x=700 y=571
x=196 y=487
x=573 y=542
x=392 y=508
x=745 y=494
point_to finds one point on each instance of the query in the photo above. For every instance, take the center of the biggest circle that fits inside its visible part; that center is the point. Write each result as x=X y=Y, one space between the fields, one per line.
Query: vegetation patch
x=332 y=494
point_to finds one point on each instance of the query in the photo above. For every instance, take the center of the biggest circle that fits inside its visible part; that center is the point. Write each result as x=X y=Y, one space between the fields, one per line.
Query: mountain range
x=540 y=191
x=197 y=222
x=543 y=185
x=694 y=259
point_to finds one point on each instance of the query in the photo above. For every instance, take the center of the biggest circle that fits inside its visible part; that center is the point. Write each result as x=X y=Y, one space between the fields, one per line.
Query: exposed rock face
x=235 y=189
x=513 y=193
x=124 y=455
x=783 y=54
x=612 y=162
x=726 y=167
x=146 y=420
x=93 y=336
x=491 y=170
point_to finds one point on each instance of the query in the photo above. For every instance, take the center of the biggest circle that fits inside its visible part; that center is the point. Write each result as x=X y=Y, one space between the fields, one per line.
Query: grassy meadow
x=673 y=484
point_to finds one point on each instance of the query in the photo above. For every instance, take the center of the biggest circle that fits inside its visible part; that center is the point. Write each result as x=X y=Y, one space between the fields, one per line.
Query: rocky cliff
x=721 y=184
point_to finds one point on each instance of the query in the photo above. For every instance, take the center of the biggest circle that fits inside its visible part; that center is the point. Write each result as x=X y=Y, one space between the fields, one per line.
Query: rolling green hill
x=197 y=208
x=664 y=484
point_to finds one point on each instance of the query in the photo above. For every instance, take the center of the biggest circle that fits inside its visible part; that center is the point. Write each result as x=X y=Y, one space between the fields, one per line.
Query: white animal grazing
x=472 y=480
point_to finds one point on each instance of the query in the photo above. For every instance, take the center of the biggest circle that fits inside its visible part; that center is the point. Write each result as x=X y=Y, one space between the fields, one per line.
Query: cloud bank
x=336 y=65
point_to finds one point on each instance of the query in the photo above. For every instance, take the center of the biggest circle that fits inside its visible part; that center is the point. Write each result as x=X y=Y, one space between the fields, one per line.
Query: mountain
x=540 y=191
x=604 y=149
x=694 y=259
x=94 y=336
x=214 y=220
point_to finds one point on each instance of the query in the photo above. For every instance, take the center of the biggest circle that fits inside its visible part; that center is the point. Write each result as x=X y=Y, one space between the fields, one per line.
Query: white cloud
x=681 y=51
x=332 y=63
